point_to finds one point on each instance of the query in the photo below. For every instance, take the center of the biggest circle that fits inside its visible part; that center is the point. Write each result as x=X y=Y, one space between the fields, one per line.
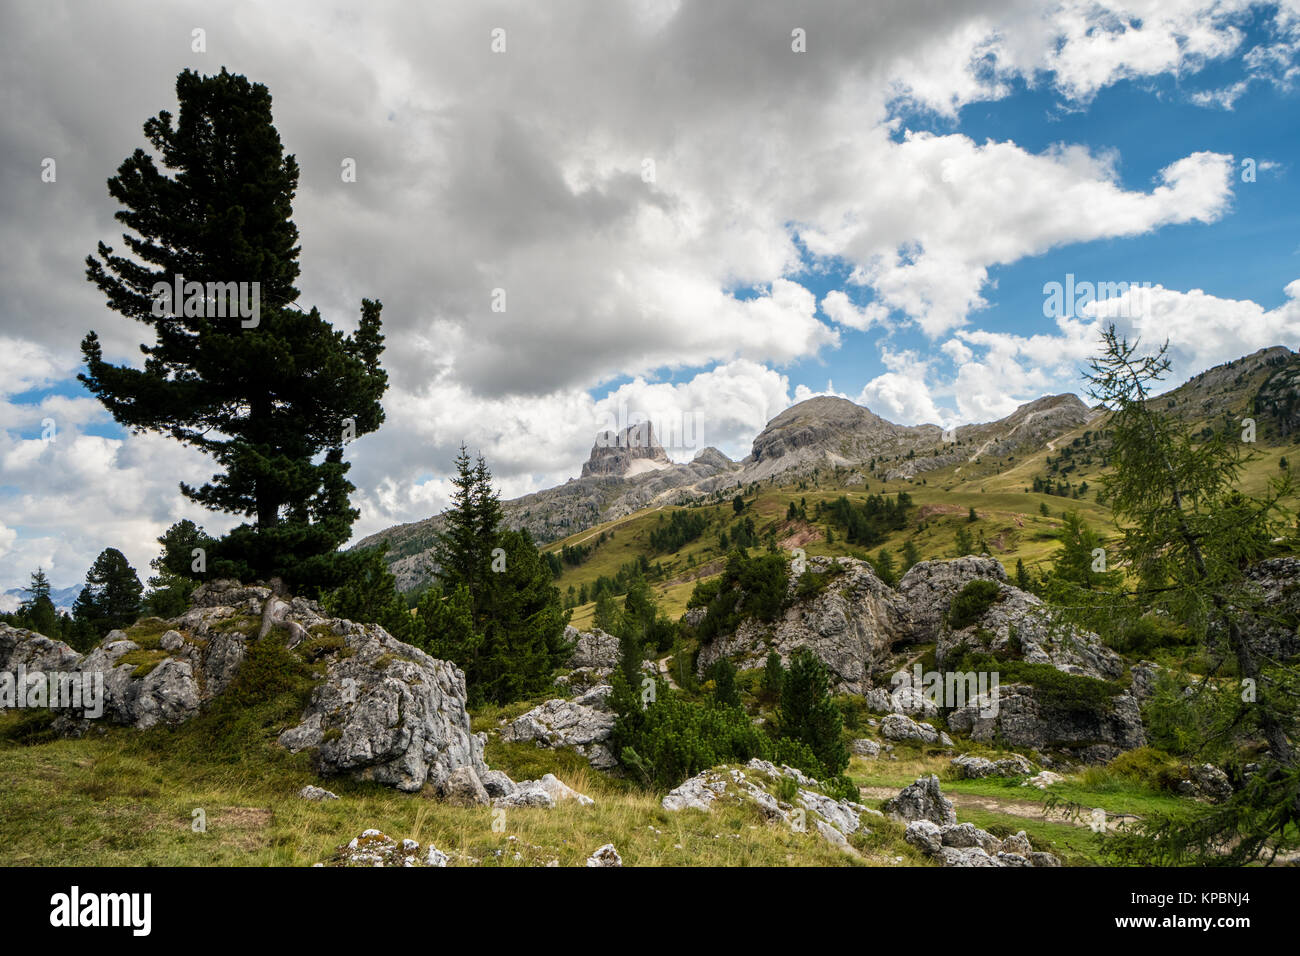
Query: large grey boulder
x=904 y=729
x=389 y=712
x=583 y=724
x=901 y=699
x=1032 y=718
x=594 y=648
x=968 y=767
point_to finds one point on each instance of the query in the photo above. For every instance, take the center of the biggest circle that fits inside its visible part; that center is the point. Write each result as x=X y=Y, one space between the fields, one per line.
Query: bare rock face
x=631 y=451
x=1095 y=730
x=927 y=589
x=850 y=626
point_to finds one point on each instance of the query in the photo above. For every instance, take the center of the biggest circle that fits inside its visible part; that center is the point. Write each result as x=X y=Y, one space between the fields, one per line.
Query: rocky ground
x=373 y=716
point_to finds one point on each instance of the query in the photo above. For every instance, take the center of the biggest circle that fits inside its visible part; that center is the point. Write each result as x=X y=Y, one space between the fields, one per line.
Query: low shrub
x=972 y=602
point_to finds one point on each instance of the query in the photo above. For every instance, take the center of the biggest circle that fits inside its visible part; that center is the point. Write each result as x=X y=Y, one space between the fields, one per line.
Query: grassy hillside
x=1008 y=516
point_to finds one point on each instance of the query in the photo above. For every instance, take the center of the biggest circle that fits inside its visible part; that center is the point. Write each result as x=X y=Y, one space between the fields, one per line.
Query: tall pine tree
x=37 y=611
x=272 y=393
x=111 y=597
x=496 y=611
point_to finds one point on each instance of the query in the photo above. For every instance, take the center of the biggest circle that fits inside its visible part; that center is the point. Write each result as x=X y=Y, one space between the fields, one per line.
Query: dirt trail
x=1025 y=809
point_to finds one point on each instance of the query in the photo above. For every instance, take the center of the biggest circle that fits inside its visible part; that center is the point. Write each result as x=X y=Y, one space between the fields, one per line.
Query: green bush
x=674 y=738
x=972 y=602
x=1152 y=633
x=1147 y=765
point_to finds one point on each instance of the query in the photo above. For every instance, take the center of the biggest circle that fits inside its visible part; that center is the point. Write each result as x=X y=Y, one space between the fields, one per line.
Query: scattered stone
x=544 y=793
x=863 y=747
x=605 y=856
x=965 y=845
x=1043 y=780
x=375 y=848
x=312 y=792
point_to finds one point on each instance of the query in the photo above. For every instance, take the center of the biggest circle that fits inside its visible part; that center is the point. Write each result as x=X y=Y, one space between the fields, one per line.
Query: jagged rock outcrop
x=850 y=626
x=594 y=649
x=583 y=723
x=1095 y=729
x=1019 y=624
x=632 y=451
x=119 y=681
x=383 y=710
x=388 y=712
x=922 y=800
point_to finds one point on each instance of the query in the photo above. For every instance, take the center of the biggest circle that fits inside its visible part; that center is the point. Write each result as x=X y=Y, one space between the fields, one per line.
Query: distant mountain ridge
x=63 y=598
x=629 y=471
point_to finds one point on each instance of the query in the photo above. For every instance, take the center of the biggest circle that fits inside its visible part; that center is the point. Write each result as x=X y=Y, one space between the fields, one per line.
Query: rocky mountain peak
x=632 y=451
